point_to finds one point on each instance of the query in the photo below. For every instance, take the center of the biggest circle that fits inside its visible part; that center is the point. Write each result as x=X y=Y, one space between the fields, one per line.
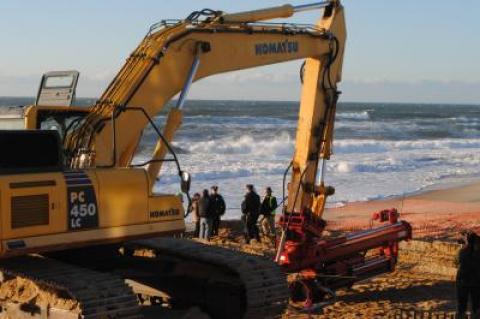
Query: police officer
x=250 y=213
x=218 y=209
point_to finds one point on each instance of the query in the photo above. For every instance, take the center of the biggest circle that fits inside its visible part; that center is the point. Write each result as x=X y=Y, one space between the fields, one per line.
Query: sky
x=397 y=51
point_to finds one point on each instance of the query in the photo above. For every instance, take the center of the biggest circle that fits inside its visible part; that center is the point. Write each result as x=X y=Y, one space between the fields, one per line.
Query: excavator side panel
x=31 y=204
x=124 y=194
x=60 y=210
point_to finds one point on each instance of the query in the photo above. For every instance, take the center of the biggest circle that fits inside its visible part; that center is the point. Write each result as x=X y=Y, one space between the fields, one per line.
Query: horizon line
x=265 y=100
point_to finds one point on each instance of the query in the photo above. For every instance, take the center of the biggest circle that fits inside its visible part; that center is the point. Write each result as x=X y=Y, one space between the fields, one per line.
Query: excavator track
x=94 y=294
x=235 y=284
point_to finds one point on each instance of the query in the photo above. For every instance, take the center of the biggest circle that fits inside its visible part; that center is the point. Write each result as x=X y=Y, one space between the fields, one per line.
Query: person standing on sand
x=250 y=212
x=468 y=277
x=195 y=214
x=269 y=204
x=218 y=208
x=205 y=213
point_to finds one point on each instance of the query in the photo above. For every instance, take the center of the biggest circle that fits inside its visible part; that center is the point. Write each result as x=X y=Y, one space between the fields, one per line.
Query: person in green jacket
x=269 y=205
x=468 y=276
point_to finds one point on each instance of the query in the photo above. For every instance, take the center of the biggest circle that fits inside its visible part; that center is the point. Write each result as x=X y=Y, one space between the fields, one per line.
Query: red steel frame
x=322 y=265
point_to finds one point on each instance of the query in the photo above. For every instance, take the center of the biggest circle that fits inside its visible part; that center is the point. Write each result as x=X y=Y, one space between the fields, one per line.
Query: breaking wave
x=281 y=145
x=379 y=151
x=377 y=146
x=353 y=115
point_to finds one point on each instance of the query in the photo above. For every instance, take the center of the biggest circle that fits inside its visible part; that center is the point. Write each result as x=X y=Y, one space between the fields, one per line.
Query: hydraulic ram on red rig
x=320 y=266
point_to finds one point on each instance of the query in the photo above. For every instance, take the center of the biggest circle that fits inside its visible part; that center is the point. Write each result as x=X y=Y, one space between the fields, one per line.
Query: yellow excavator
x=80 y=222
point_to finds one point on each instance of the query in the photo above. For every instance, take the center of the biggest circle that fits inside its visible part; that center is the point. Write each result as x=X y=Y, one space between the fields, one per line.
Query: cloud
x=18 y=85
x=419 y=91
x=271 y=85
x=260 y=77
x=27 y=85
x=284 y=86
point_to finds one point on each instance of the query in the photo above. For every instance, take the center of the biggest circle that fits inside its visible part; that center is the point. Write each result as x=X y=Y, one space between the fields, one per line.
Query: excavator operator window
x=59 y=121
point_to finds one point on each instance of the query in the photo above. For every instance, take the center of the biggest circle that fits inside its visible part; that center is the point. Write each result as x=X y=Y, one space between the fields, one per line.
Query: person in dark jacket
x=218 y=208
x=269 y=204
x=250 y=213
x=205 y=213
x=468 y=276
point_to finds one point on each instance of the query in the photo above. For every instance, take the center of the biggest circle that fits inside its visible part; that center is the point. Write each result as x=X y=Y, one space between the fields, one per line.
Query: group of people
x=208 y=208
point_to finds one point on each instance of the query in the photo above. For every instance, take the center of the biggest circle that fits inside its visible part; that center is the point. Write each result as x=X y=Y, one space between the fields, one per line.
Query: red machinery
x=322 y=265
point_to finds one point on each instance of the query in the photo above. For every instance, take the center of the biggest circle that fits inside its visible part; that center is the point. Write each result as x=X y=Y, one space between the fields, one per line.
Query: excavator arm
x=173 y=55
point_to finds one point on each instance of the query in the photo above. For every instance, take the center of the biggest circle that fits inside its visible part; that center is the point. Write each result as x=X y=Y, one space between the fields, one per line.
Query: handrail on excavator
x=283 y=11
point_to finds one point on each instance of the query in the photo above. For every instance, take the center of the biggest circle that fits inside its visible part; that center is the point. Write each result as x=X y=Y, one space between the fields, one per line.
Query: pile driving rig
x=82 y=223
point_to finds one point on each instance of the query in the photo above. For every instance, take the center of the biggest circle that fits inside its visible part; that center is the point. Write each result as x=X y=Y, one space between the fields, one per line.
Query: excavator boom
x=173 y=55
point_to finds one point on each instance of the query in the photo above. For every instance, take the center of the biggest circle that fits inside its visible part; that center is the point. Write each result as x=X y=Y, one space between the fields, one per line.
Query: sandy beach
x=438 y=213
x=423 y=282
x=424 y=279
x=436 y=216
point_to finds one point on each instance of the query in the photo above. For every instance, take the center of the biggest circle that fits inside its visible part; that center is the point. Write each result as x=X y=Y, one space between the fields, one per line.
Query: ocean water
x=380 y=150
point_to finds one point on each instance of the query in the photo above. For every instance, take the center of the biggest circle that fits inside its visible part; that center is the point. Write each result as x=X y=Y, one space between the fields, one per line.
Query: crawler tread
x=265 y=286
x=99 y=295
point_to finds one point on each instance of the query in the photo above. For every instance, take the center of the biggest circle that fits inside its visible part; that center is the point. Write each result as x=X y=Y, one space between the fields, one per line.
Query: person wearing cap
x=218 y=209
x=269 y=205
x=468 y=276
x=250 y=213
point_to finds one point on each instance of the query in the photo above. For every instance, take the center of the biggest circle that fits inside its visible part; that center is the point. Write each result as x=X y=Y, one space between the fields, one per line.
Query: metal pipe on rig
x=284 y=11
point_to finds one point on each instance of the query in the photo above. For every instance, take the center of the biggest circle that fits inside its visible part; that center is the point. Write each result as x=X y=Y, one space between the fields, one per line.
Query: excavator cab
x=52 y=109
x=53 y=106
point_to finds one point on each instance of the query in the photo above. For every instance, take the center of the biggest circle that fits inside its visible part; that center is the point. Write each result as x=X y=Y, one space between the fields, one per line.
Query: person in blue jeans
x=206 y=216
